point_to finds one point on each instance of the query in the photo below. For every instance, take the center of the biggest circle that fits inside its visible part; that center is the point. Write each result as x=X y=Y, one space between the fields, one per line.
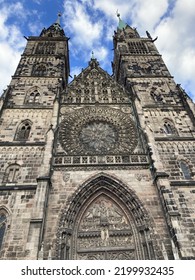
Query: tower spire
x=58 y=18
x=121 y=23
x=55 y=30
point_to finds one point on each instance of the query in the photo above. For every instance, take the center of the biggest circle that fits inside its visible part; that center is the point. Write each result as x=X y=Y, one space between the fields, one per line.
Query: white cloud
x=171 y=20
x=146 y=14
x=84 y=30
x=176 y=42
x=11 y=43
x=90 y=25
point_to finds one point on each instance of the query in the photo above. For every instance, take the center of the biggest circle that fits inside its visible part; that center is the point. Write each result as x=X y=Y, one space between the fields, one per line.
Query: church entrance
x=105 y=221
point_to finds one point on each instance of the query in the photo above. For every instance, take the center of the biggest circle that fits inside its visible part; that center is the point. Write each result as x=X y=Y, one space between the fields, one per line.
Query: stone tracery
x=97 y=131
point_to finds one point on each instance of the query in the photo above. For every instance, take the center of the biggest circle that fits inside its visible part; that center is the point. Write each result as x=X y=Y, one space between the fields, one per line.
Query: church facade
x=99 y=168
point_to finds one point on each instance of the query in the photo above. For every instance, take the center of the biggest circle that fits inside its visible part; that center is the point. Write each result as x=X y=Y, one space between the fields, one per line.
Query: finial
x=117 y=13
x=58 y=18
x=121 y=23
x=92 y=55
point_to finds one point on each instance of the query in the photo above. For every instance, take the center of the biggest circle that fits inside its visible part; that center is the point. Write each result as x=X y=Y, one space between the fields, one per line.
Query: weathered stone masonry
x=102 y=167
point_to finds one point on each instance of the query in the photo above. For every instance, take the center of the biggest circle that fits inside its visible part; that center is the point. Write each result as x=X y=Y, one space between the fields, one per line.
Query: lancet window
x=23 y=131
x=3 y=221
x=185 y=170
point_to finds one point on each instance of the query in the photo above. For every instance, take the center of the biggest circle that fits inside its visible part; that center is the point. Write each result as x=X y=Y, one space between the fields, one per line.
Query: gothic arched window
x=39 y=70
x=185 y=170
x=169 y=128
x=33 y=97
x=12 y=173
x=3 y=221
x=23 y=131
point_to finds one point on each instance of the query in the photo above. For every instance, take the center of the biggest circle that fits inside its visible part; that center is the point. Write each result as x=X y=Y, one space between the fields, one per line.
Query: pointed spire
x=55 y=30
x=92 y=55
x=121 y=23
x=58 y=18
x=93 y=62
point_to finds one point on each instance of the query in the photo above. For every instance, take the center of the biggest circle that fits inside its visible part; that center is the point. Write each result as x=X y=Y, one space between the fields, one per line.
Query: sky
x=90 y=24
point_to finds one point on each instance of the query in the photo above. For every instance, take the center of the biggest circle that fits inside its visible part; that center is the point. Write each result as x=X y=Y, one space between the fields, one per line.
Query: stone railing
x=135 y=159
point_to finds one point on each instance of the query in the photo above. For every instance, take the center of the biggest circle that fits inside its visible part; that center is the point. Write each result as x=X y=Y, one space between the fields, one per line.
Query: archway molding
x=105 y=189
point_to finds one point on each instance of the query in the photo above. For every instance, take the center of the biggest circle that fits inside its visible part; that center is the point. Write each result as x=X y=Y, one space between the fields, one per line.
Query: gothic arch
x=33 y=96
x=104 y=220
x=4 y=217
x=169 y=127
x=185 y=167
x=23 y=130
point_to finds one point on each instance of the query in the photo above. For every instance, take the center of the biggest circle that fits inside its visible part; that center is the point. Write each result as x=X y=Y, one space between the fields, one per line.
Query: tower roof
x=121 y=23
x=124 y=30
x=55 y=30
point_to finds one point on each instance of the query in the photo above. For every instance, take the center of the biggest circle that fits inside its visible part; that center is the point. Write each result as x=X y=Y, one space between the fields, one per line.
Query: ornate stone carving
x=104 y=225
x=66 y=177
x=97 y=130
x=91 y=256
x=104 y=220
x=98 y=136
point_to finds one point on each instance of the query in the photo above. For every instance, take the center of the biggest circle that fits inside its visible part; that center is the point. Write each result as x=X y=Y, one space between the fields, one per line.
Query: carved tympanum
x=104 y=232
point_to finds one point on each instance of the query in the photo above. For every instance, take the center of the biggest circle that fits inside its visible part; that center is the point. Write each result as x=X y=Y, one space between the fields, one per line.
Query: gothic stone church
x=102 y=167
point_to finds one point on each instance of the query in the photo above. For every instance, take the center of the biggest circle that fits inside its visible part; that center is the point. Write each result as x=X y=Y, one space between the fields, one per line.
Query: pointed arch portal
x=105 y=220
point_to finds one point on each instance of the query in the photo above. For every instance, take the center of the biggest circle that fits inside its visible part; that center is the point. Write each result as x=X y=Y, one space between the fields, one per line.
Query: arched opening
x=3 y=221
x=23 y=131
x=185 y=170
x=105 y=220
x=169 y=128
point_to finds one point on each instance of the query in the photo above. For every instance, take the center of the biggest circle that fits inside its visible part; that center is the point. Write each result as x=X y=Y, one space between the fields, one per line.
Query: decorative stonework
x=98 y=136
x=99 y=130
x=113 y=160
x=104 y=227
x=94 y=86
x=104 y=220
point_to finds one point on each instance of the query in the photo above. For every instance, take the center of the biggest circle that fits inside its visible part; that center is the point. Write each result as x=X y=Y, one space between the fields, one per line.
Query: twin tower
x=102 y=167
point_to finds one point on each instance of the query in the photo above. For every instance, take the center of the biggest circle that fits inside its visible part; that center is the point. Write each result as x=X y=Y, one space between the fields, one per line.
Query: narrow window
x=169 y=128
x=185 y=170
x=3 y=221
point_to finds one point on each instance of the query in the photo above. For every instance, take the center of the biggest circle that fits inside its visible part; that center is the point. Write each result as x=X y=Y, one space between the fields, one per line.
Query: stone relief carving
x=104 y=226
x=95 y=86
x=66 y=177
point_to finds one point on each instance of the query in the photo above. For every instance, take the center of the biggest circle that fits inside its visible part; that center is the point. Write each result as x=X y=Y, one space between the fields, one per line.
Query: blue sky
x=90 y=25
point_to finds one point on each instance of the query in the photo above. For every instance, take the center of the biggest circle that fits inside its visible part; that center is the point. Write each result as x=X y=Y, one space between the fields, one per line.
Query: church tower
x=28 y=119
x=102 y=167
x=166 y=114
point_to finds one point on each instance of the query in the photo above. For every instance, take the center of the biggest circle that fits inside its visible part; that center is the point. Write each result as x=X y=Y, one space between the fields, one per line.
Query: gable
x=94 y=85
